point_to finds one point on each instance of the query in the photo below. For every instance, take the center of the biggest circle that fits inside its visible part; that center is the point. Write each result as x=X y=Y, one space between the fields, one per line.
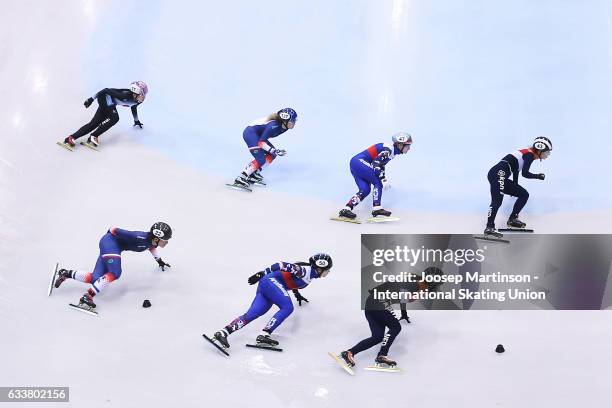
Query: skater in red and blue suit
x=108 y=265
x=272 y=289
x=257 y=137
x=368 y=169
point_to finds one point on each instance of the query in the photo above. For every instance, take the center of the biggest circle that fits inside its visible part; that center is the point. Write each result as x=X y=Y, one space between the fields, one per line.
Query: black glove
x=541 y=176
x=299 y=297
x=162 y=264
x=404 y=316
x=88 y=102
x=138 y=123
x=253 y=279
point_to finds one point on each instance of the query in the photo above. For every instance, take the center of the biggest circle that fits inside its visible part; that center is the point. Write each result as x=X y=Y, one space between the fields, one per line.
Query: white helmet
x=542 y=143
x=404 y=138
x=139 y=88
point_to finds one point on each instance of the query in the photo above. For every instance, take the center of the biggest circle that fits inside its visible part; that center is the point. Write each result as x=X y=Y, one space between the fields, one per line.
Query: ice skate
x=92 y=143
x=385 y=361
x=490 y=234
x=515 y=225
x=86 y=305
x=219 y=340
x=346 y=213
x=514 y=222
x=385 y=364
x=342 y=362
x=62 y=275
x=380 y=212
x=87 y=300
x=221 y=337
x=347 y=356
x=241 y=183
x=68 y=143
x=256 y=179
x=264 y=341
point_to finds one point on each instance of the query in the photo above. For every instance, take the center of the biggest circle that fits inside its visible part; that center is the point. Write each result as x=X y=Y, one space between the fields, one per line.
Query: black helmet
x=161 y=230
x=542 y=143
x=321 y=261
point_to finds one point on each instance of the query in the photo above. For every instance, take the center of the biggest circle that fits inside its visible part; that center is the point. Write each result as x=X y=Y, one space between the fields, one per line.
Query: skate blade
x=217 y=346
x=258 y=183
x=515 y=230
x=384 y=369
x=344 y=219
x=65 y=146
x=53 y=277
x=84 y=309
x=382 y=218
x=491 y=239
x=92 y=147
x=341 y=362
x=258 y=346
x=239 y=188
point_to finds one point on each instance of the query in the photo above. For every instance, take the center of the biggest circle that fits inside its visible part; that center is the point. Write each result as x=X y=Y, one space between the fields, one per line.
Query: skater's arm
x=134 y=109
x=527 y=160
x=271 y=130
x=381 y=160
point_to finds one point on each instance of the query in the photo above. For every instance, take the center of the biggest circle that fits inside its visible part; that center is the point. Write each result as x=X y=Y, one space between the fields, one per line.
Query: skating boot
x=347 y=356
x=264 y=340
x=86 y=301
x=491 y=232
x=256 y=178
x=62 y=275
x=379 y=211
x=93 y=141
x=221 y=337
x=242 y=180
x=514 y=222
x=70 y=141
x=346 y=213
x=384 y=361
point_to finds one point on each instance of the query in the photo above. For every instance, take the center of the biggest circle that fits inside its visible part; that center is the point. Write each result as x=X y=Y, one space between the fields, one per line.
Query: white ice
x=471 y=80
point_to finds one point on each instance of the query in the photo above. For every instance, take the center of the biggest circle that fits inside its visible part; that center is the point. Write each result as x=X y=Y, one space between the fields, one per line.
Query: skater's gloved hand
x=253 y=279
x=88 y=102
x=299 y=297
x=162 y=264
x=386 y=184
x=138 y=123
x=281 y=152
x=404 y=316
x=541 y=176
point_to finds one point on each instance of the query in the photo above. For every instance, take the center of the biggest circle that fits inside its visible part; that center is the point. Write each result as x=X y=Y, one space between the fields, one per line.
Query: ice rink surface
x=471 y=80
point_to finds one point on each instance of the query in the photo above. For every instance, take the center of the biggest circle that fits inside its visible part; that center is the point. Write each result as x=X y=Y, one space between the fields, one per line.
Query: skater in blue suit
x=272 y=289
x=368 y=169
x=257 y=136
x=108 y=265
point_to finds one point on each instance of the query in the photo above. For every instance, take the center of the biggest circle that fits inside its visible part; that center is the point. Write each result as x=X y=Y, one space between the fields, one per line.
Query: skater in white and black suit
x=106 y=115
x=499 y=179
x=380 y=316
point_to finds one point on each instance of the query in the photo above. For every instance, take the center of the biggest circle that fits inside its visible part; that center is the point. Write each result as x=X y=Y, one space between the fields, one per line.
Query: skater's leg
x=498 y=180
x=521 y=195
x=359 y=171
x=280 y=297
x=99 y=117
x=108 y=266
x=259 y=307
x=394 y=329
x=113 y=118
x=376 y=327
